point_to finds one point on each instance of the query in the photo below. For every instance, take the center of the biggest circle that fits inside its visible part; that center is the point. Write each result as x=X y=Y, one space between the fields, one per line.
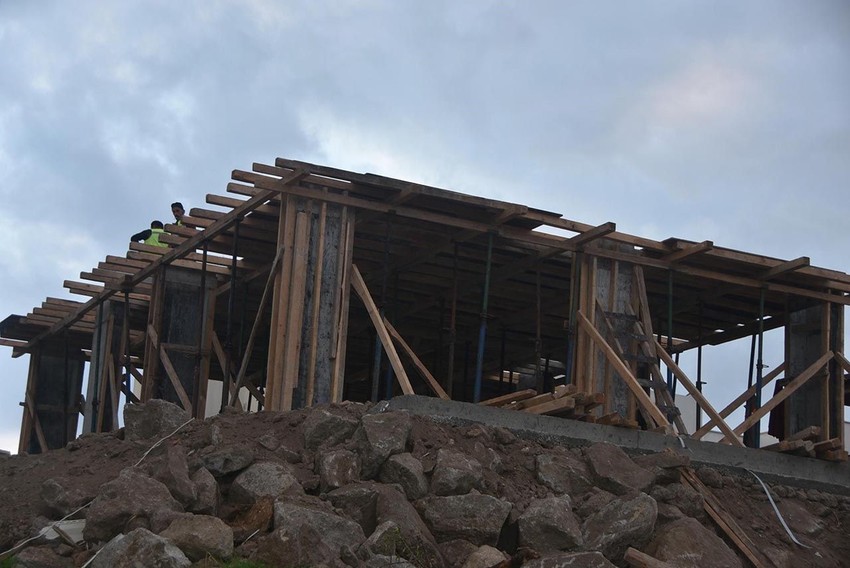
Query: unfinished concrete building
x=309 y=284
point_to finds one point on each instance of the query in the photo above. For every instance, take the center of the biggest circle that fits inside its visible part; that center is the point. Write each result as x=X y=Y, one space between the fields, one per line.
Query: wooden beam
x=509 y=398
x=362 y=291
x=742 y=398
x=698 y=397
x=420 y=366
x=689 y=251
x=786 y=267
x=175 y=379
x=789 y=389
x=592 y=234
x=638 y=559
x=623 y=371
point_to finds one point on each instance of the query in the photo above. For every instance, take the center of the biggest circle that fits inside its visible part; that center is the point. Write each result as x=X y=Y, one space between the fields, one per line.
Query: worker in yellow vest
x=178 y=212
x=151 y=236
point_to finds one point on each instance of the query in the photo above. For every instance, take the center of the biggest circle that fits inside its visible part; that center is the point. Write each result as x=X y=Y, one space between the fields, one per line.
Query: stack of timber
x=563 y=402
x=806 y=443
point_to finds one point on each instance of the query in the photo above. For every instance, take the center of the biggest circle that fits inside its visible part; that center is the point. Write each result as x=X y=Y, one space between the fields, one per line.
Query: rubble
x=386 y=488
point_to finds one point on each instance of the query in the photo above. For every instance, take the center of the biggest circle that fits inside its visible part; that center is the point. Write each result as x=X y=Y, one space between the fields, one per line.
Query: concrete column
x=55 y=385
x=184 y=318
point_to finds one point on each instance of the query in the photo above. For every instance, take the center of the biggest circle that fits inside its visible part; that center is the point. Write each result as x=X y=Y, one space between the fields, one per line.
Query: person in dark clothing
x=151 y=236
x=178 y=211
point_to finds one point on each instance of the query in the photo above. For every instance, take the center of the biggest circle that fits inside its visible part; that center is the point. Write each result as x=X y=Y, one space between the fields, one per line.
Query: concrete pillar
x=53 y=392
x=185 y=312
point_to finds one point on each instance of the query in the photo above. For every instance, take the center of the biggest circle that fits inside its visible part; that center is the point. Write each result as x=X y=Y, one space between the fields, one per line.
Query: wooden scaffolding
x=456 y=296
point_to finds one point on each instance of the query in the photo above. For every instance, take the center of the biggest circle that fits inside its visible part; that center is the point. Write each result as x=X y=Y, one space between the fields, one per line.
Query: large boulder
x=132 y=495
x=312 y=514
x=615 y=471
x=685 y=543
x=382 y=542
x=562 y=473
x=225 y=460
x=416 y=543
x=302 y=547
x=325 y=428
x=473 y=517
x=688 y=501
x=154 y=419
x=621 y=523
x=337 y=468
x=60 y=497
x=378 y=437
x=207 y=493
x=140 y=548
x=264 y=479
x=548 y=525
x=455 y=473
x=200 y=536
x=168 y=464
x=359 y=502
x=406 y=470
x=484 y=557
x=40 y=557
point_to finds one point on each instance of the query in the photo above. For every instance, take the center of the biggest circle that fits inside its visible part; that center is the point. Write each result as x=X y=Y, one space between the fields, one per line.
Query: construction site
x=307 y=285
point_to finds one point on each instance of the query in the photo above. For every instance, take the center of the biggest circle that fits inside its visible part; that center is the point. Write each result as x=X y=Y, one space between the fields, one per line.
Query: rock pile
x=347 y=485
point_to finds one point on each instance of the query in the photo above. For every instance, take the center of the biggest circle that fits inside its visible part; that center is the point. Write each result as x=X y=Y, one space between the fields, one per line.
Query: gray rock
x=336 y=532
x=455 y=473
x=303 y=547
x=132 y=495
x=337 y=468
x=416 y=544
x=488 y=457
x=207 y=493
x=473 y=517
x=40 y=557
x=199 y=536
x=269 y=441
x=457 y=551
x=378 y=437
x=593 y=501
x=484 y=557
x=358 y=502
x=688 y=501
x=59 y=498
x=711 y=477
x=665 y=459
x=167 y=464
x=548 y=525
x=153 y=420
x=229 y=459
x=140 y=548
x=562 y=473
x=615 y=471
x=685 y=543
x=324 y=428
x=382 y=542
x=571 y=560
x=264 y=479
x=621 y=523
x=405 y=470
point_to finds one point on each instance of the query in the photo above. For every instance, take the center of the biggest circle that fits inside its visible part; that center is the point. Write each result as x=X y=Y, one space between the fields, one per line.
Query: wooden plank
x=808 y=433
x=789 y=389
x=340 y=324
x=557 y=405
x=280 y=306
x=621 y=368
x=592 y=234
x=316 y=296
x=785 y=267
x=697 y=395
x=249 y=347
x=295 y=319
x=741 y=399
x=826 y=445
x=509 y=398
x=835 y=455
x=362 y=292
x=420 y=366
x=175 y=380
x=689 y=251
x=638 y=559
x=724 y=520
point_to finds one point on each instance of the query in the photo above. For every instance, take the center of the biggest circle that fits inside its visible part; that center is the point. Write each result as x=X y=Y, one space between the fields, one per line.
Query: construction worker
x=178 y=211
x=151 y=236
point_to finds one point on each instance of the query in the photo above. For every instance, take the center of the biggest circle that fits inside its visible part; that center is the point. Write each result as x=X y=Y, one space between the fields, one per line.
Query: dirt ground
x=820 y=520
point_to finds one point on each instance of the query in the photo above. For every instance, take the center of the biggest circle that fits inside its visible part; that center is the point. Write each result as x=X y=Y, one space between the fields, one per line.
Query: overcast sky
x=726 y=121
